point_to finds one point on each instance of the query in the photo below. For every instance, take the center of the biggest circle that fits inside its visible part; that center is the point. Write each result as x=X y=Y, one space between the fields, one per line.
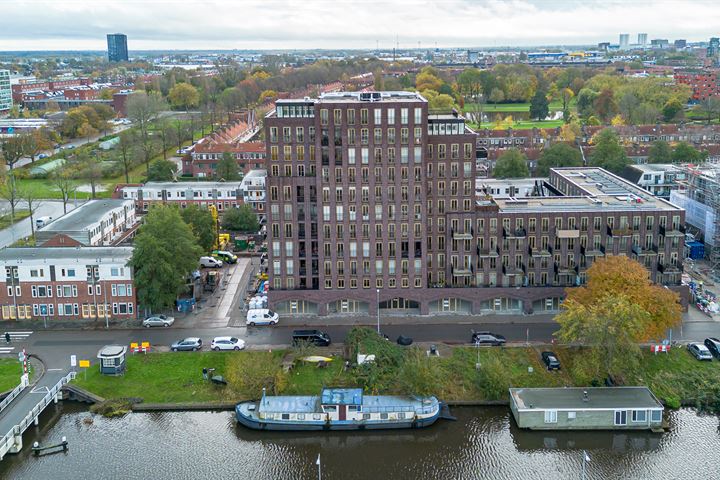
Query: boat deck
x=289 y=404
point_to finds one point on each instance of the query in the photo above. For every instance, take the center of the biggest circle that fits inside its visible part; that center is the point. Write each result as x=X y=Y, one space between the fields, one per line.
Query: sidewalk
x=366 y=320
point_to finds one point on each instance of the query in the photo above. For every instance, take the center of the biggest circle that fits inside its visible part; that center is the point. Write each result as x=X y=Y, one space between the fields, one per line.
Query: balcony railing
x=462 y=271
x=457 y=235
x=622 y=231
x=673 y=231
x=514 y=233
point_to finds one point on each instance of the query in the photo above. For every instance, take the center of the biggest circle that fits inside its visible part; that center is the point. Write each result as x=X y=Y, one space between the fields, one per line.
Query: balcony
x=514 y=233
x=621 y=231
x=566 y=269
x=674 y=231
x=488 y=252
x=598 y=251
x=513 y=270
x=456 y=235
x=644 y=252
x=567 y=233
x=462 y=271
x=668 y=268
x=542 y=251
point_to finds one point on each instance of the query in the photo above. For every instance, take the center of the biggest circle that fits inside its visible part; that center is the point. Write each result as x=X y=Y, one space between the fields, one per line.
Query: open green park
x=498 y=113
x=458 y=374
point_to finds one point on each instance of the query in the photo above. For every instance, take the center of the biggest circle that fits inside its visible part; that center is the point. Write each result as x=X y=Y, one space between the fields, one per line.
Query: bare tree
x=90 y=170
x=8 y=191
x=125 y=145
x=62 y=178
x=143 y=109
x=30 y=196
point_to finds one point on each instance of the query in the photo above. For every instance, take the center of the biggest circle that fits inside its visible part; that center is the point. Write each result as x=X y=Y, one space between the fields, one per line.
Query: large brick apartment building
x=59 y=282
x=371 y=201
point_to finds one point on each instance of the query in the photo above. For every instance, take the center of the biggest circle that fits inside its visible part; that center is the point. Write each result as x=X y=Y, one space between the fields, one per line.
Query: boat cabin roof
x=342 y=396
x=288 y=404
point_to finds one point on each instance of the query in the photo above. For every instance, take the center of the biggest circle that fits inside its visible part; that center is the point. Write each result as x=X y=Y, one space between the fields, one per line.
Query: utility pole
x=377 y=291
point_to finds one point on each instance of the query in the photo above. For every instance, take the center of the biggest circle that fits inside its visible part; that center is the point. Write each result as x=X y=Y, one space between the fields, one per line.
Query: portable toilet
x=112 y=359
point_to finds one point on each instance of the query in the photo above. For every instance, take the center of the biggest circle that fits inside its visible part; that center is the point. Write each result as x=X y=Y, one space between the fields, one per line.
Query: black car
x=713 y=344
x=550 y=360
x=487 y=338
x=316 y=337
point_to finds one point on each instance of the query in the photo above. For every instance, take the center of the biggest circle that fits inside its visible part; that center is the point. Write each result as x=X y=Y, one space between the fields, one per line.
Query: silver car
x=158 y=321
x=699 y=351
x=192 y=344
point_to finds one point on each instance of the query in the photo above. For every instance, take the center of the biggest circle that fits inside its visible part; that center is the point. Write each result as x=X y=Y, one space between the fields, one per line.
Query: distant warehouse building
x=91 y=283
x=97 y=222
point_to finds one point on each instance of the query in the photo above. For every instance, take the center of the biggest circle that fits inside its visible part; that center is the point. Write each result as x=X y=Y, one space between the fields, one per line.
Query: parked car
x=316 y=337
x=227 y=343
x=42 y=221
x=187 y=344
x=42 y=155
x=713 y=344
x=225 y=256
x=210 y=262
x=158 y=321
x=699 y=351
x=261 y=316
x=70 y=147
x=487 y=338
x=404 y=341
x=550 y=360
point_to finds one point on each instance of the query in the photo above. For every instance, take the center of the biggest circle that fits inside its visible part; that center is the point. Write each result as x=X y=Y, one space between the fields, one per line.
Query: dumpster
x=695 y=250
x=241 y=243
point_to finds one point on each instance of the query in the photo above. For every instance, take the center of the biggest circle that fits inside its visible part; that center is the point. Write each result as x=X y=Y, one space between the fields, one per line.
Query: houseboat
x=601 y=408
x=339 y=409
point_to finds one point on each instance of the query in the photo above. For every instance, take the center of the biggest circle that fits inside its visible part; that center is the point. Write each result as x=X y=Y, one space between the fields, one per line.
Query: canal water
x=483 y=444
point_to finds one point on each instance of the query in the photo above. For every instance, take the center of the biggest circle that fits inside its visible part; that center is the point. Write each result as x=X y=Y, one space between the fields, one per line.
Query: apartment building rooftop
x=77 y=254
x=189 y=185
x=85 y=216
x=352 y=97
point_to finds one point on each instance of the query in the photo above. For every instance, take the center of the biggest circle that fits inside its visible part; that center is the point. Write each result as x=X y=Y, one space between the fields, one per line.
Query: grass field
x=555 y=106
x=462 y=373
x=520 y=124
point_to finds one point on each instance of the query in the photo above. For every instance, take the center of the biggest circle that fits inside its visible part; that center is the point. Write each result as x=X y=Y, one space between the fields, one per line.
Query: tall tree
x=62 y=178
x=660 y=152
x=184 y=96
x=511 y=164
x=565 y=95
x=89 y=169
x=126 y=147
x=33 y=202
x=13 y=149
x=686 y=153
x=558 y=155
x=9 y=192
x=35 y=142
x=608 y=153
x=539 y=106
x=202 y=224
x=227 y=168
x=241 y=219
x=143 y=109
x=162 y=171
x=165 y=253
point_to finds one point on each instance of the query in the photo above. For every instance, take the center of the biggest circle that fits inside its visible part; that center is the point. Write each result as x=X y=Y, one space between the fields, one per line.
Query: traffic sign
x=73 y=360
x=84 y=363
x=21 y=356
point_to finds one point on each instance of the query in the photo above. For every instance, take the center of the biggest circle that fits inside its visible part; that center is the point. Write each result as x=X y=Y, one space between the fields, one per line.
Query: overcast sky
x=288 y=24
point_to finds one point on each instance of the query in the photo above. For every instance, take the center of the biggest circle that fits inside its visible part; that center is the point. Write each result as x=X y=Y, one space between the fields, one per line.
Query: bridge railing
x=7 y=442
x=16 y=391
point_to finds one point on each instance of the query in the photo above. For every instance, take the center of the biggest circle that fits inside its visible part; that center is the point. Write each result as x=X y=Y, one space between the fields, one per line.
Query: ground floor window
x=656 y=415
x=620 y=417
x=296 y=307
x=639 y=416
x=11 y=312
x=399 y=304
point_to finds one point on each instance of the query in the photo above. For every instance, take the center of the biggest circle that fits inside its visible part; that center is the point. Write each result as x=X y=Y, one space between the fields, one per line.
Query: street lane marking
x=40 y=390
x=6 y=349
x=54 y=369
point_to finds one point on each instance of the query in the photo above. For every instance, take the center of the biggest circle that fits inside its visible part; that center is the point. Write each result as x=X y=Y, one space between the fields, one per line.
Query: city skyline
x=280 y=24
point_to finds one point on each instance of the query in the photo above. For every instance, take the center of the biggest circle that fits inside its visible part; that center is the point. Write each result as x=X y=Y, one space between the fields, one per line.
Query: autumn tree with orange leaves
x=617 y=309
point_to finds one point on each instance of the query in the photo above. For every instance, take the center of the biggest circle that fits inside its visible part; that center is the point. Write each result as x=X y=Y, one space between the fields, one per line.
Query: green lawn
x=7 y=220
x=555 y=106
x=520 y=124
x=10 y=372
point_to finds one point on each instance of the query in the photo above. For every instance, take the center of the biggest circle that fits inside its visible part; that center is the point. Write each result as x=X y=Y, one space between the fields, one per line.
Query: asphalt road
x=22 y=228
x=56 y=346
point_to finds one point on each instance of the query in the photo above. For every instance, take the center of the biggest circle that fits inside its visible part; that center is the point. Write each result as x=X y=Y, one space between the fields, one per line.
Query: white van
x=42 y=221
x=210 y=262
x=261 y=316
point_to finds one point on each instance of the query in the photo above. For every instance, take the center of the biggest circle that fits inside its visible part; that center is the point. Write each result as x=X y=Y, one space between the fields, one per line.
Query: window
x=656 y=415
x=639 y=416
x=571 y=415
x=550 y=416
x=620 y=417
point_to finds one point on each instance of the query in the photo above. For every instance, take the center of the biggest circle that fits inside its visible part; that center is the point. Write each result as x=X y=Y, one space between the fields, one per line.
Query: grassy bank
x=462 y=373
x=7 y=220
x=10 y=371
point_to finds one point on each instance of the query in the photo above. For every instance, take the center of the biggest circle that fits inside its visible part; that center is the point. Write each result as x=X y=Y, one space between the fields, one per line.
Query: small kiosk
x=112 y=359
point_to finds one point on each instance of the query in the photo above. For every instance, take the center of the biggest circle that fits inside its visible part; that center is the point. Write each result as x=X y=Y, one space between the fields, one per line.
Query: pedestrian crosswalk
x=15 y=337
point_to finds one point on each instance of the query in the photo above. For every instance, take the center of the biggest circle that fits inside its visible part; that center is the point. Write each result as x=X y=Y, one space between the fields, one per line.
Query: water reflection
x=482 y=444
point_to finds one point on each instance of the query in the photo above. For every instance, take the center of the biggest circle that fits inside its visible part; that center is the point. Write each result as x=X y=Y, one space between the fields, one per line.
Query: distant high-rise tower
x=642 y=38
x=713 y=47
x=6 y=101
x=624 y=40
x=117 y=47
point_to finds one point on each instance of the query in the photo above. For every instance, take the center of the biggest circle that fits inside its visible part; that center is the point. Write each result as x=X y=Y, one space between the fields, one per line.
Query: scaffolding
x=699 y=195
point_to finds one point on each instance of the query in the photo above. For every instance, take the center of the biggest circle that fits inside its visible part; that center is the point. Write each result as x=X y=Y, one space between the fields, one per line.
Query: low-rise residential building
x=704 y=84
x=204 y=158
x=55 y=283
x=253 y=190
x=222 y=195
x=95 y=223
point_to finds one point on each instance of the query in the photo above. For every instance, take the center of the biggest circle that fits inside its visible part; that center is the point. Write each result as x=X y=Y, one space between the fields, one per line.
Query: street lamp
x=378 y=310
